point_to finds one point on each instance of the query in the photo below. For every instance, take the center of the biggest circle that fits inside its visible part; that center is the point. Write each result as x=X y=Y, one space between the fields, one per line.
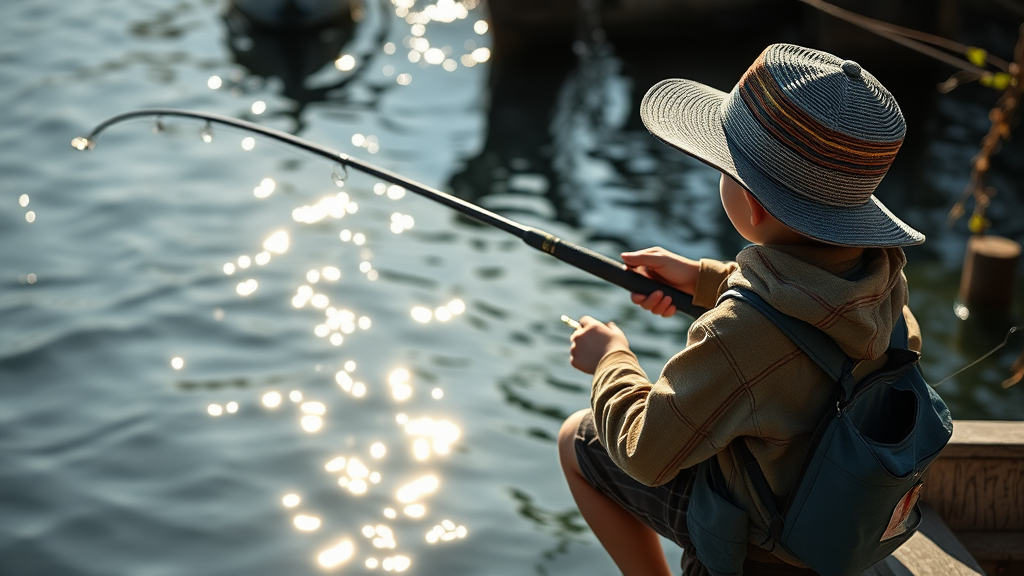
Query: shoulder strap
x=815 y=343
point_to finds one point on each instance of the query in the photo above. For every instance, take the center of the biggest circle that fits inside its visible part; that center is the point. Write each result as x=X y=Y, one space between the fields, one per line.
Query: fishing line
x=585 y=259
x=987 y=354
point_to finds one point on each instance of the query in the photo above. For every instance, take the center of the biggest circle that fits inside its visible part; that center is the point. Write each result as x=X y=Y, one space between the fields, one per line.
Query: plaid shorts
x=663 y=508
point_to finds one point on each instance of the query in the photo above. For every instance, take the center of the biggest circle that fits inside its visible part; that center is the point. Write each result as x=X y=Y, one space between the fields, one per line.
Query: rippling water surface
x=214 y=360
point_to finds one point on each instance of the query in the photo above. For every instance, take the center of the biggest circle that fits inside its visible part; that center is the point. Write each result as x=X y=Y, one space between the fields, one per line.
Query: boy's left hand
x=592 y=341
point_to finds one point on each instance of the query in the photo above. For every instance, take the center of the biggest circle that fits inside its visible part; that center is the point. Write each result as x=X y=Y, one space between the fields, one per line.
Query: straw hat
x=808 y=134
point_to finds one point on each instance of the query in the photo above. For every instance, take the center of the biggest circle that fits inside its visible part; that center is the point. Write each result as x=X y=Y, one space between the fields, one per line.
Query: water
x=195 y=329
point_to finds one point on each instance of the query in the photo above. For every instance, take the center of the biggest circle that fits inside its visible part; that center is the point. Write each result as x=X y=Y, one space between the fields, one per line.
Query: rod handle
x=611 y=270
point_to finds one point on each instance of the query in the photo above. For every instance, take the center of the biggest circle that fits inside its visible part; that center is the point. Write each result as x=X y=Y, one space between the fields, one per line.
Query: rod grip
x=611 y=270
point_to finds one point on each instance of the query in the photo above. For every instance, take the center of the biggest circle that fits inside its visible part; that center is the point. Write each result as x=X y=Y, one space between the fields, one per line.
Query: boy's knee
x=567 y=440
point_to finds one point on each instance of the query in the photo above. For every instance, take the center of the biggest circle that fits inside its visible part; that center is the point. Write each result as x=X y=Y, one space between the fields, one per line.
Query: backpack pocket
x=718 y=528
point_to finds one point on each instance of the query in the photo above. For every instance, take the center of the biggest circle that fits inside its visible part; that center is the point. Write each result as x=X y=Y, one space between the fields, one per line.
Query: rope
x=918 y=41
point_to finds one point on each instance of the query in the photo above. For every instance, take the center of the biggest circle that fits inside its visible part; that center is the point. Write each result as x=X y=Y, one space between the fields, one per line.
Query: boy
x=801 y=141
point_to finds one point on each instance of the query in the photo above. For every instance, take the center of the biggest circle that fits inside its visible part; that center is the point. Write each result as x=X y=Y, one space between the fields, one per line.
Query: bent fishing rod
x=587 y=260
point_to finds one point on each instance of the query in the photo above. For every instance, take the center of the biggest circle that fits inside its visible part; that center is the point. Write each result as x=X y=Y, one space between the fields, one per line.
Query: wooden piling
x=987 y=280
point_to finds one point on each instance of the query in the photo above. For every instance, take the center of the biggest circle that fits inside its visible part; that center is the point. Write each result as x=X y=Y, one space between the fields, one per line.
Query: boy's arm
x=651 y=431
x=711 y=281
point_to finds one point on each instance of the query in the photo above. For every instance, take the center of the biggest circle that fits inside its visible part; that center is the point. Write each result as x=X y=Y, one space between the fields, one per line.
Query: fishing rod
x=587 y=260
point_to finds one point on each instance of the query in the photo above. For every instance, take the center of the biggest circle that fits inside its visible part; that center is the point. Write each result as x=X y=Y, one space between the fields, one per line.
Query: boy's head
x=809 y=135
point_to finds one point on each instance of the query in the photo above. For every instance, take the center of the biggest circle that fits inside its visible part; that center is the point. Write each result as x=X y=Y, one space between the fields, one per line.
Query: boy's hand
x=672 y=269
x=592 y=341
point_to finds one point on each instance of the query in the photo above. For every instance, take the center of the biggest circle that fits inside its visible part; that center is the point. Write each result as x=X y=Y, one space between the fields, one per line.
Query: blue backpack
x=856 y=499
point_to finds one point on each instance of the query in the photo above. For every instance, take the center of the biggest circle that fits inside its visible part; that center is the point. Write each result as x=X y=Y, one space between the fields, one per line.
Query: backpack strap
x=815 y=343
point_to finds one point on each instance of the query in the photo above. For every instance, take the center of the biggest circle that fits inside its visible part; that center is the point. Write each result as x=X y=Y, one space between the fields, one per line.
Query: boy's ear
x=757 y=212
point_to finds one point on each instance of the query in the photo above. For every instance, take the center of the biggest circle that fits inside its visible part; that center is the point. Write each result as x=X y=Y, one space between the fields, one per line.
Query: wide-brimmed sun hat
x=808 y=134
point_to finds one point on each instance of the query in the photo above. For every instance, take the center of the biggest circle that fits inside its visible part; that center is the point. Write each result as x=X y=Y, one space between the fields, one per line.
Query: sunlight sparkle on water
x=313 y=276
x=248 y=143
x=404 y=79
x=23 y=200
x=295 y=396
x=314 y=408
x=214 y=82
x=378 y=450
x=262 y=258
x=442 y=314
x=229 y=268
x=371 y=563
x=244 y=261
x=246 y=288
x=291 y=500
x=277 y=242
x=336 y=464
x=343 y=380
x=259 y=107
x=481 y=55
x=306 y=523
x=480 y=27
x=266 y=188
x=382 y=535
x=437 y=393
x=365 y=323
x=399 y=380
x=446 y=531
x=271 y=399
x=421 y=314
x=390 y=513
x=30 y=216
x=433 y=56
x=395 y=192
x=331 y=273
x=312 y=423
x=336 y=555
x=415 y=510
x=441 y=434
x=177 y=362
x=396 y=563
x=215 y=409
x=417 y=489
x=345 y=63
x=231 y=407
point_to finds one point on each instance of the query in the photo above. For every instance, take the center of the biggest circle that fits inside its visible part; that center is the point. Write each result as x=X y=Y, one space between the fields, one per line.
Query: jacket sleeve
x=711 y=281
x=697 y=406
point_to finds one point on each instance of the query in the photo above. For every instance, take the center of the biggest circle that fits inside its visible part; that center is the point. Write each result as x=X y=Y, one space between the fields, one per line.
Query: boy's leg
x=635 y=547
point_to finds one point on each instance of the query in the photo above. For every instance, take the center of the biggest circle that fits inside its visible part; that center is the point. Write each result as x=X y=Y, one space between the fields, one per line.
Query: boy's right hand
x=672 y=269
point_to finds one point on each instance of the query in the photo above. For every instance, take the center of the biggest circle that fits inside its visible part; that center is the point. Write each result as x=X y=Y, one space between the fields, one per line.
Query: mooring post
x=987 y=280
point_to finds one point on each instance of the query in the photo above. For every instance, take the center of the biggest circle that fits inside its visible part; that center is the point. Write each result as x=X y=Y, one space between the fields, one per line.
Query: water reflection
x=298 y=55
x=336 y=555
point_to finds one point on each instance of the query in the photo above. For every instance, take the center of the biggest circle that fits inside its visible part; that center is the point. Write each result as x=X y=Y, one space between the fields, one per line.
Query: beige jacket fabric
x=739 y=376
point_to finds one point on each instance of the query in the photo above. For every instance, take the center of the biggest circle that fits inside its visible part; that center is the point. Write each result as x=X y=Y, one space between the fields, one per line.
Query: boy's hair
x=808 y=134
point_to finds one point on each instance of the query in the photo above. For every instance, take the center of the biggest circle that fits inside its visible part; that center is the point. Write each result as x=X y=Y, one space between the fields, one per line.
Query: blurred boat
x=294 y=14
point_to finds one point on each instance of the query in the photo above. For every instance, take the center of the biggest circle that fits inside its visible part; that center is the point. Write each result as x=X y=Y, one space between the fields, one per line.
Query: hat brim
x=687 y=116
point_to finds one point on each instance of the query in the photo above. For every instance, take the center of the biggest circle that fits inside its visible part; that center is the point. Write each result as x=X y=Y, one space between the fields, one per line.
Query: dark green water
x=113 y=460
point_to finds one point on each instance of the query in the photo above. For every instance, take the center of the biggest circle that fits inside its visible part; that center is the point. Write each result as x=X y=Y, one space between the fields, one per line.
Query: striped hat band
x=798 y=143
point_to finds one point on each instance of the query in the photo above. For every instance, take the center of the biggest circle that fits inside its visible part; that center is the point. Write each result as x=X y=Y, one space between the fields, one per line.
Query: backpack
x=856 y=498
